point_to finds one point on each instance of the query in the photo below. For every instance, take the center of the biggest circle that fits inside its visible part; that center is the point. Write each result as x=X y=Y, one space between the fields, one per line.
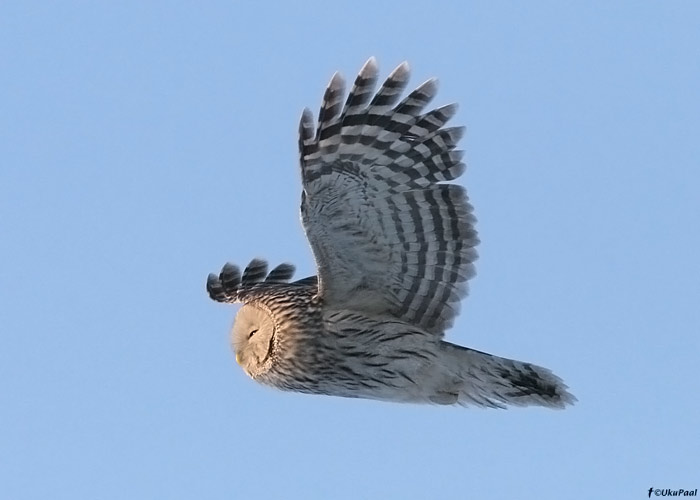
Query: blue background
x=144 y=144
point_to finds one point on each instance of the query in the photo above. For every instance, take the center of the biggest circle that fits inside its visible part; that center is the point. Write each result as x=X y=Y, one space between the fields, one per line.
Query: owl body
x=341 y=359
x=394 y=242
x=333 y=352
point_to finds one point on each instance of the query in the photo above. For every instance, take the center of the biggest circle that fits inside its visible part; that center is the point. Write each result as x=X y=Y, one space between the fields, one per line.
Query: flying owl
x=394 y=244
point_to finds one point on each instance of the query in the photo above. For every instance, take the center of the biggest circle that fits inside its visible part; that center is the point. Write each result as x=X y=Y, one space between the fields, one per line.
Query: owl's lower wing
x=388 y=237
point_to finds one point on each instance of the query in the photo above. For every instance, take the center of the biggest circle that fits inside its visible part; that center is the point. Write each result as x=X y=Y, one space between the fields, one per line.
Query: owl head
x=253 y=339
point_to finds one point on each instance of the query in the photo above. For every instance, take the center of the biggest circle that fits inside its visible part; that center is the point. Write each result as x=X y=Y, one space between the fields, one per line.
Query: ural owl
x=394 y=245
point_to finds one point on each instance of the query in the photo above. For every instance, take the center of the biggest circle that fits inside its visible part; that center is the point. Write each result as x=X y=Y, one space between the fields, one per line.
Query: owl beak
x=238 y=358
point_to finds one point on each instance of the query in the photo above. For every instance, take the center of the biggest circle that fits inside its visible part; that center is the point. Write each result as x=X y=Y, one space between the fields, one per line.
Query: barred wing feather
x=388 y=234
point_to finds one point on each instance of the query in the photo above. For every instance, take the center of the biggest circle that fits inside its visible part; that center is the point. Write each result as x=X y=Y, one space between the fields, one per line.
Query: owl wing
x=389 y=237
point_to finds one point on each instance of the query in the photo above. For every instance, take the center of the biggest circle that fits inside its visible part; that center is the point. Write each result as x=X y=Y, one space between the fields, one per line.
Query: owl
x=394 y=244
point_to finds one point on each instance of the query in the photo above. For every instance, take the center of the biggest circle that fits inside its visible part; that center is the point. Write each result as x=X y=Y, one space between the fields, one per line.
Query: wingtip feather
x=369 y=68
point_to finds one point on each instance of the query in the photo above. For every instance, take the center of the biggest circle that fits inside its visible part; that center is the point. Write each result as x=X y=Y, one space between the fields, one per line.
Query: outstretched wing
x=389 y=237
x=229 y=286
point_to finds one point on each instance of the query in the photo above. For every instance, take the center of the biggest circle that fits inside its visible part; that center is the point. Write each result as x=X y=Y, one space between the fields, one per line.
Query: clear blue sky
x=144 y=144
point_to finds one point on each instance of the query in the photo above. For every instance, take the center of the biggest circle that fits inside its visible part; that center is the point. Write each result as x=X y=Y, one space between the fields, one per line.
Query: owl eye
x=252 y=332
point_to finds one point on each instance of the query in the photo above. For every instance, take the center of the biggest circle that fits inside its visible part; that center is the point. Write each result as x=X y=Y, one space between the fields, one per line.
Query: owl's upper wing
x=388 y=237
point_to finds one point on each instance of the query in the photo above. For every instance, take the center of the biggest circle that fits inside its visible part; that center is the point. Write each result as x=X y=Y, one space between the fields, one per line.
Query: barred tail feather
x=491 y=381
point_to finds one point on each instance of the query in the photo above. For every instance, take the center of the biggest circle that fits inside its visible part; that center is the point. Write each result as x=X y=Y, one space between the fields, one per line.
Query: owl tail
x=481 y=379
